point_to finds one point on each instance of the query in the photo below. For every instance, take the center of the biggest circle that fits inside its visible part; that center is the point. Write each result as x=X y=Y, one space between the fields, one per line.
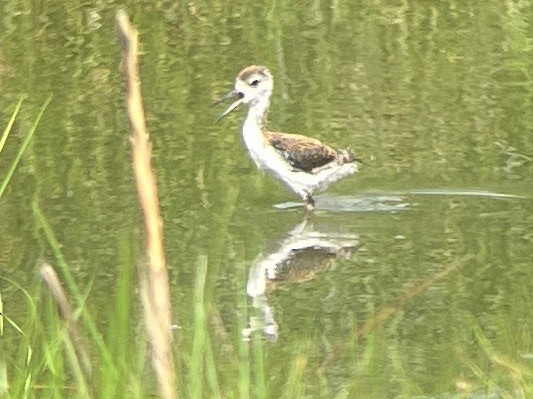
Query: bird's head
x=253 y=87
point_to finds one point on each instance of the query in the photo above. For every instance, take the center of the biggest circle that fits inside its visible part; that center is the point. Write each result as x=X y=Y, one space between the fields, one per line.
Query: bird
x=304 y=164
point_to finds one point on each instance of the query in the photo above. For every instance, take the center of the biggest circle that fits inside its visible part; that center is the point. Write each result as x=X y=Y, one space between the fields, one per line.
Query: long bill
x=231 y=94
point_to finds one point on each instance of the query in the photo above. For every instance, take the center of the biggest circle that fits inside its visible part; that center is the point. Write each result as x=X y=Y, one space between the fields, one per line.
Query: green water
x=435 y=97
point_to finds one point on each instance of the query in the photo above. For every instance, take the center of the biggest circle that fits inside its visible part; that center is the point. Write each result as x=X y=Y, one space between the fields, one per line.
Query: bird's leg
x=309 y=202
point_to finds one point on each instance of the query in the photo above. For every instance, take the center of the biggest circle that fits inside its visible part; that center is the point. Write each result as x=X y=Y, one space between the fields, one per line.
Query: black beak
x=232 y=94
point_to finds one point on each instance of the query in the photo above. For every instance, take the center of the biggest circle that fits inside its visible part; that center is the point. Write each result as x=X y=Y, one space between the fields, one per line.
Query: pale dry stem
x=157 y=304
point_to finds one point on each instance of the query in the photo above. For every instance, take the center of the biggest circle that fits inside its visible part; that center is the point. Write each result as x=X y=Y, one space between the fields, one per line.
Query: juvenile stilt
x=303 y=164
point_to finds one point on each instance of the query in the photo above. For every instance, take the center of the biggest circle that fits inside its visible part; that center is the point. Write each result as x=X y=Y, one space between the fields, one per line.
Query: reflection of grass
x=5 y=179
x=400 y=302
x=501 y=374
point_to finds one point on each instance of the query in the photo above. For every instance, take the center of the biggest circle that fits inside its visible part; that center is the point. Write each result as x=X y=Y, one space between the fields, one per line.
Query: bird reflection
x=304 y=252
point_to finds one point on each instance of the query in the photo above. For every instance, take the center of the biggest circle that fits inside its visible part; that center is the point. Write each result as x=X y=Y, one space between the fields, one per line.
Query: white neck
x=258 y=109
x=252 y=130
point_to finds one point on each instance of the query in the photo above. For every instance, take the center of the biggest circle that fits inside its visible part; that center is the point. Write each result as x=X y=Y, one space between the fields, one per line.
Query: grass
x=7 y=177
x=503 y=370
x=49 y=362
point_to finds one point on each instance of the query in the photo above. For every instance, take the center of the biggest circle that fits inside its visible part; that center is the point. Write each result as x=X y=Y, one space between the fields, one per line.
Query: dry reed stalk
x=157 y=299
x=49 y=276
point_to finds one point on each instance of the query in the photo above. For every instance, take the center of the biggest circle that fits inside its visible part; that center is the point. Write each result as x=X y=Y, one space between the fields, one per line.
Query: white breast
x=267 y=158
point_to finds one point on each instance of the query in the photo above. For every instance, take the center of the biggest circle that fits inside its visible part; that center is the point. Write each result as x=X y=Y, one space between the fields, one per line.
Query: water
x=436 y=98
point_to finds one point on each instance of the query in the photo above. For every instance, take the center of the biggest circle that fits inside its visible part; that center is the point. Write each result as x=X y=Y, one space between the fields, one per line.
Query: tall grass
x=50 y=362
x=7 y=177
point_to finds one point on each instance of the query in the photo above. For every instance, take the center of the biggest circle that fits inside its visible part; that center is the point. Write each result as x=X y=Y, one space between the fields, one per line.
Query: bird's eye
x=254 y=83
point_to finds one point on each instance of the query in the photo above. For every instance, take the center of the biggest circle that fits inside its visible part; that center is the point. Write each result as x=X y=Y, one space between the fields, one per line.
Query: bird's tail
x=347 y=156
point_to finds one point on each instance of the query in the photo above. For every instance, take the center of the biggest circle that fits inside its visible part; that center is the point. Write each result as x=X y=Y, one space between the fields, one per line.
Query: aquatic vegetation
x=4 y=180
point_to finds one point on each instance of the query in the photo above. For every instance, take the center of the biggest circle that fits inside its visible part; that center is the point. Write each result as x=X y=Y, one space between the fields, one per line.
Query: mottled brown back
x=301 y=152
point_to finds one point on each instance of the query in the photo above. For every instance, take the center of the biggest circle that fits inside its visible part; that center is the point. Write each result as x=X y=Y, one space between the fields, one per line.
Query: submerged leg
x=309 y=202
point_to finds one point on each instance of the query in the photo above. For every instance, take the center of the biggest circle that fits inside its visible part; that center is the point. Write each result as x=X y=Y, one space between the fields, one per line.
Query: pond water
x=389 y=286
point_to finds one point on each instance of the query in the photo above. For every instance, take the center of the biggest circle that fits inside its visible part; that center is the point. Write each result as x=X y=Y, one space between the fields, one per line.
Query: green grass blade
x=211 y=371
x=30 y=302
x=119 y=335
x=22 y=148
x=10 y=123
x=14 y=325
x=244 y=346
x=72 y=286
x=196 y=376
x=259 y=367
x=4 y=386
x=120 y=327
x=295 y=387
x=56 y=249
x=1 y=316
x=75 y=362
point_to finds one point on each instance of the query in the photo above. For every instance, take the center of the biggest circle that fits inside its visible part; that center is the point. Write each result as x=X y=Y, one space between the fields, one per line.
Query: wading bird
x=303 y=164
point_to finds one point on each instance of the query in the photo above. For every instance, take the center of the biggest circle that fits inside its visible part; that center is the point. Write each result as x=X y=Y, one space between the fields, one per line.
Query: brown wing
x=301 y=152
